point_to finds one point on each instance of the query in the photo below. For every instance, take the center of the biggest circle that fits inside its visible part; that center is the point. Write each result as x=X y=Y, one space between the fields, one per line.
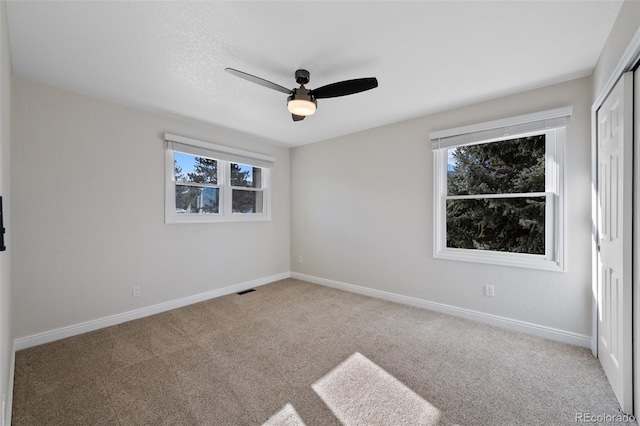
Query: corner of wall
x=7 y=349
x=623 y=37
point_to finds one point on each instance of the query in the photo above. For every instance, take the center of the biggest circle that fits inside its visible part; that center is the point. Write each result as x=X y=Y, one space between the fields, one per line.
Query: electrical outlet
x=4 y=409
x=299 y=259
x=135 y=291
x=488 y=290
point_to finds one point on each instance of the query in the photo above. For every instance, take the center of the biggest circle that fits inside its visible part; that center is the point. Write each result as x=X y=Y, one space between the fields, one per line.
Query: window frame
x=552 y=124
x=224 y=156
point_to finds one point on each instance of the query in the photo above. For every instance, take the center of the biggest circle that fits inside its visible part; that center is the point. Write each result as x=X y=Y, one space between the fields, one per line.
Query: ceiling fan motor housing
x=302 y=93
x=302 y=76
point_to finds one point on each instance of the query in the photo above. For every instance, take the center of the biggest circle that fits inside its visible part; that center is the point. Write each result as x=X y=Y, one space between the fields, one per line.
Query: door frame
x=629 y=60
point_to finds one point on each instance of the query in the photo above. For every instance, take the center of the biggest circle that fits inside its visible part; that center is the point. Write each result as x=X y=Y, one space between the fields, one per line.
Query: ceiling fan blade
x=297 y=117
x=258 y=80
x=343 y=88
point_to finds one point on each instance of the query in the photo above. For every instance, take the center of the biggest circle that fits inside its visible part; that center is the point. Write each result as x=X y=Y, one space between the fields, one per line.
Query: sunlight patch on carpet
x=359 y=392
x=288 y=416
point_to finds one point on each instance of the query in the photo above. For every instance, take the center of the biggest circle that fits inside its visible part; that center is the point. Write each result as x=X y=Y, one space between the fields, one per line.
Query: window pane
x=510 y=166
x=191 y=168
x=246 y=176
x=514 y=225
x=247 y=201
x=194 y=199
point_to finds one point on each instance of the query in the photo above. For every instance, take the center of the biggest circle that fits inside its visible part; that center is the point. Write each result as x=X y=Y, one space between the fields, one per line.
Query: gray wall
x=6 y=278
x=89 y=204
x=362 y=214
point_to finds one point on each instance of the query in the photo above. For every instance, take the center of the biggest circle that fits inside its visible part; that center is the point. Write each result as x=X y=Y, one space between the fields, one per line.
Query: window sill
x=517 y=260
x=215 y=218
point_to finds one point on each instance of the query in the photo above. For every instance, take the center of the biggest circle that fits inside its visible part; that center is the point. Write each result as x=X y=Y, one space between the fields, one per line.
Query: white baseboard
x=508 y=323
x=85 y=327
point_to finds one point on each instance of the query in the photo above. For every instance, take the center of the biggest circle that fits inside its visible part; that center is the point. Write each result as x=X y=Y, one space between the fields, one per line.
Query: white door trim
x=635 y=289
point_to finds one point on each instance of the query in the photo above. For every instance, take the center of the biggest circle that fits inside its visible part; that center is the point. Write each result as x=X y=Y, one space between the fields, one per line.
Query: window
x=196 y=184
x=212 y=183
x=499 y=191
x=246 y=189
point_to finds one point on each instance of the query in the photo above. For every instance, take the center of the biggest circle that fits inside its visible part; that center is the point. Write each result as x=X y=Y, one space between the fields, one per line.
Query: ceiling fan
x=302 y=101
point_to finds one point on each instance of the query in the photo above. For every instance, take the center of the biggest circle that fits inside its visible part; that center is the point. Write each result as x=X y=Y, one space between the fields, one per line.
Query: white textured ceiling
x=428 y=56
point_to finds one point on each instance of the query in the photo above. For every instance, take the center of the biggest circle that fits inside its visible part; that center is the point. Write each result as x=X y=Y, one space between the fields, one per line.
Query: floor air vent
x=246 y=291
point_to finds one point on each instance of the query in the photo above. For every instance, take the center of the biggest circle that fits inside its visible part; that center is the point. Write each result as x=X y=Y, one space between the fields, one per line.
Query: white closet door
x=615 y=208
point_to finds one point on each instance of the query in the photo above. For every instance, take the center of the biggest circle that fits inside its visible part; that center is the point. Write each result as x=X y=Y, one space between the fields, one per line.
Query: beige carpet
x=294 y=353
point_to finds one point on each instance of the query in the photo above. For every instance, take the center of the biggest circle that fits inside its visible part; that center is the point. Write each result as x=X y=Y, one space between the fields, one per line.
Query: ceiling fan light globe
x=301 y=107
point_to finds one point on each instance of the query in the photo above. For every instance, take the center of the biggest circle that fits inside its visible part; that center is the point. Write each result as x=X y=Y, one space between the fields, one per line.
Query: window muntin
x=525 y=201
x=203 y=188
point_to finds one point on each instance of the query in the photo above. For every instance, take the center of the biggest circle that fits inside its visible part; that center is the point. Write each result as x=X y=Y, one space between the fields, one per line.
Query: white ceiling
x=428 y=56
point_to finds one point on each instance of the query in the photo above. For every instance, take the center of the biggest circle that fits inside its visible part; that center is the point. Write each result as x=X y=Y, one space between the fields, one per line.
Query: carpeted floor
x=294 y=353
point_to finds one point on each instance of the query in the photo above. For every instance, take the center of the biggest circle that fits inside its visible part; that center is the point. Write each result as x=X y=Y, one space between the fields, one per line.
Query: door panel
x=615 y=175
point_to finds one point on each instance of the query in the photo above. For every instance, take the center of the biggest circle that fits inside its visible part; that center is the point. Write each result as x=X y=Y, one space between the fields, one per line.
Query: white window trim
x=553 y=124
x=225 y=156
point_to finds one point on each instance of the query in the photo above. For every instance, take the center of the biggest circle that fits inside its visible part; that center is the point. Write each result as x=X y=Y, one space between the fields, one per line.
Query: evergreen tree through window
x=498 y=198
